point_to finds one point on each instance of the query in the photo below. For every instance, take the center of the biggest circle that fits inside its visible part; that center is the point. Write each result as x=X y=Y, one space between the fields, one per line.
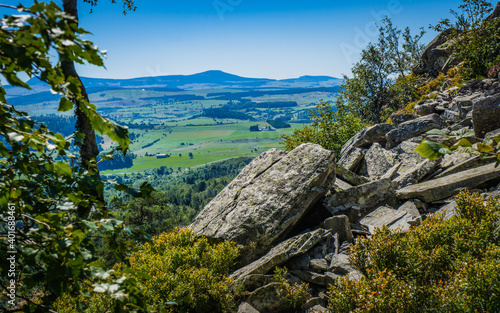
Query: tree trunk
x=88 y=148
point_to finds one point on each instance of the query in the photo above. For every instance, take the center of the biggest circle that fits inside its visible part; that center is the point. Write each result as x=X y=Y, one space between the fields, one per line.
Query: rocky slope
x=303 y=209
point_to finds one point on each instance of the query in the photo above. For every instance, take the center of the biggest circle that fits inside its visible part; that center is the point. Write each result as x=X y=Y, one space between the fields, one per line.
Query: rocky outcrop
x=268 y=198
x=486 y=115
x=288 y=210
x=450 y=185
x=435 y=57
x=413 y=128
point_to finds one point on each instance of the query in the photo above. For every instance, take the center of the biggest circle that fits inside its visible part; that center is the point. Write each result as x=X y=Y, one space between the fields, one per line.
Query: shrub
x=294 y=296
x=441 y=266
x=178 y=270
x=330 y=128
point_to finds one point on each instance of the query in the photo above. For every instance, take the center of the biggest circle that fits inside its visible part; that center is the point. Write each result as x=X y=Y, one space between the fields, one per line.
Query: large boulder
x=367 y=137
x=450 y=185
x=378 y=161
x=280 y=254
x=435 y=56
x=486 y=115
x=358 y=201
x=267 y=199
x=413 y=128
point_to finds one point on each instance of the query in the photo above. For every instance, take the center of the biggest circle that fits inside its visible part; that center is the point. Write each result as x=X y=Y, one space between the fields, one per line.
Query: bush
x=441 y=266
x=329 y=128
x=475 y=40
x=294 y=296
x=187 y=270
x=178 y=270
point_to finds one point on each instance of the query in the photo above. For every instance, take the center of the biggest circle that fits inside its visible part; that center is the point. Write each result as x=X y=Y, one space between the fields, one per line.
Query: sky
x=252 y=38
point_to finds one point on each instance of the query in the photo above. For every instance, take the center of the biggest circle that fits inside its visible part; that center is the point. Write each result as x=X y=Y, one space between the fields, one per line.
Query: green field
x=175 y=123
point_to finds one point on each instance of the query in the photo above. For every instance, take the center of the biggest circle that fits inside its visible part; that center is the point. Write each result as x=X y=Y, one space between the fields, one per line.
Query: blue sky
x=253 y=38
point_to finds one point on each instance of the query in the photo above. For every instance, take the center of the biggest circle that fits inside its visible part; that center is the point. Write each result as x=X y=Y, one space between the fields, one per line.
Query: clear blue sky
x=253 y=38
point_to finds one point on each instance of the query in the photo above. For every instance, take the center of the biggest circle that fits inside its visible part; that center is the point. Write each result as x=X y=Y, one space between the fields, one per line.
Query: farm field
x=192 y=123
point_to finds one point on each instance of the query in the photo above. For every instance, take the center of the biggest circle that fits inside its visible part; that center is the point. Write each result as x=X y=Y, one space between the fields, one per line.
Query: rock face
x=486 y=115
x=435 y=56
x=413 y=128
x=450 y=185
x=288 y=210
x=268 y=198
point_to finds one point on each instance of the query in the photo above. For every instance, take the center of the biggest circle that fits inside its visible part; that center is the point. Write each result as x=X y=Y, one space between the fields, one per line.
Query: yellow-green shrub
x=440 y=266
x=178 y=271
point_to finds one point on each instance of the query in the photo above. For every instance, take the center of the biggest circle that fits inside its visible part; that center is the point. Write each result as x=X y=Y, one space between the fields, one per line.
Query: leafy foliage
x=294 y=296
x=330 y=128
x=490 y=147
x=440 y=266
x=475 y=40
x=372 y=91
x=40 y=193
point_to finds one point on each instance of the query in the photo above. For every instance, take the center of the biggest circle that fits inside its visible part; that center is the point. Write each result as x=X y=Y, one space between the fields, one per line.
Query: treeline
x=179 y=197
x=245 y=104
x=119 y=161
x=175 y=98
x=221 y=113
x=64 y=124
x=278 y=124
x=259 y=93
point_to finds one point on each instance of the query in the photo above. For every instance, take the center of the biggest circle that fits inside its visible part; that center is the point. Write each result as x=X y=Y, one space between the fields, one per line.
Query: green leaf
x=63 y=169
x=146 y=189
x=461 y=143
x=484 y=148
x=65 y=105
x=464 y=132
x=3 y=150
x=437 y=132
x=431 y=150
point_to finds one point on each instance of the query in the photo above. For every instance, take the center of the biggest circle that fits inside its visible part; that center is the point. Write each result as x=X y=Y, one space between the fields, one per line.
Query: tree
x=331 y=128
x=474 y=37
x=369 y=92
x=44 y=236
x=87 y=142
x=191 y=155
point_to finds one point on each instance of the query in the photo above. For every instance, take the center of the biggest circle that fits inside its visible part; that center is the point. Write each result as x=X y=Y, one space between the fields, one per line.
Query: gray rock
x=317 y=309
x=265 y=299
x=486 y=115
x=246 y=307
x=435 y=56
x=267 y=199
x=351 y=159
x=448 y=210
x=310 y=277
x=450 y=185
x=409 y=207
x=351 y=177
x=254 y=281
x=340 y=185
x=413 y=128
x=319 y=265
x=367 y=137
x=340 y=225
x=340 y=264
x=331 y=278
x=452 y=116
x=426 y=107
x=280 y=254
x=299 y=263
x=312 y=304
x=355 y=275
x=380 y=217
x=401 y=118
x=357 y=200
x=378 y=161
x=470 y=162
x=415 y=174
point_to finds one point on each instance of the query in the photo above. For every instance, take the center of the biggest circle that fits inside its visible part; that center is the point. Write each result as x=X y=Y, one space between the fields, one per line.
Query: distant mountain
x=204 y=80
